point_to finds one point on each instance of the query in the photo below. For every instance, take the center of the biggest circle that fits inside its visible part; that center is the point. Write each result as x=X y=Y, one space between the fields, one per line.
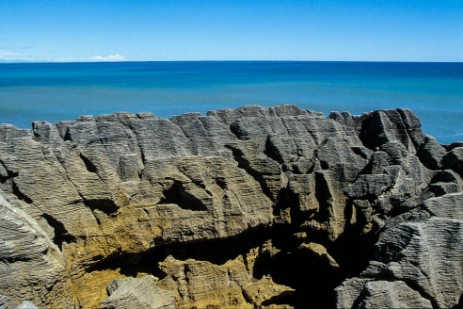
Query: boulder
x=140 y=293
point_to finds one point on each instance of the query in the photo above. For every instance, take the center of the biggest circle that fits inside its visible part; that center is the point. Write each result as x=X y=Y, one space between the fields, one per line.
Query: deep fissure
x=61 y=233
x=105 y=205
x=16 y=191
x=177 y=194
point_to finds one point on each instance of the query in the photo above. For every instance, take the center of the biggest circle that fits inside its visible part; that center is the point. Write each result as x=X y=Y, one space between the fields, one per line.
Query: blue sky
x=407 y=30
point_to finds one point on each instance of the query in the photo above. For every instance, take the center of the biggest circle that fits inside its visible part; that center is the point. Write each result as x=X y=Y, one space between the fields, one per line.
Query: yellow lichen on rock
x=203 y=284
x=90 y=289
x=319 y=251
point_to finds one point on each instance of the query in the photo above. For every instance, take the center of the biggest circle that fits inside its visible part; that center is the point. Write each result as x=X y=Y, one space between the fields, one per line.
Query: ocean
x=64 y=91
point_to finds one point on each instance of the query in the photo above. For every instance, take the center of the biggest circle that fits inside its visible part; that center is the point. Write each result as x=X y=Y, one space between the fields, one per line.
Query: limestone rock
x=265 y=293
x=31 y=266
x=397 y=294
x=422 y=253
x=138 y=293
x=380 y=127
x=319 y=251
x=205 y=285
x=454 y=160
x=285 y=193
x=431 y=154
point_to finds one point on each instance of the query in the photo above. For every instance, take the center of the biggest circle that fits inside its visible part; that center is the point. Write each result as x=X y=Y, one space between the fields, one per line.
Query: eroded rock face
x=32 y=267
x=202 y=283
x=420 y=251
x=138 y=293
x=242 y=208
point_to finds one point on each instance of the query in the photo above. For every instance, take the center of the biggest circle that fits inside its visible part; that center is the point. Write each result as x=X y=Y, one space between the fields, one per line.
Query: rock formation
x=242 y=208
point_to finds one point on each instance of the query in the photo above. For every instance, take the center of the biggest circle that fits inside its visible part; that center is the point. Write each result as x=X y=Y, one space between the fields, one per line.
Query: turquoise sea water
x=63 y=91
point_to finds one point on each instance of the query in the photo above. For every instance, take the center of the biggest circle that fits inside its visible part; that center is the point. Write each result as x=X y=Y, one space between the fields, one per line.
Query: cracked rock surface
x=252 y=207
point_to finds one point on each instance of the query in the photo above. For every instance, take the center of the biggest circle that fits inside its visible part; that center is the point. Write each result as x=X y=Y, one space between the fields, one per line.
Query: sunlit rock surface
x=240 y=208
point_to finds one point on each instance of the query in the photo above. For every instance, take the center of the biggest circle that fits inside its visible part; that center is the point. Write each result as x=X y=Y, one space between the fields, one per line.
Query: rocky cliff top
x=249 y=207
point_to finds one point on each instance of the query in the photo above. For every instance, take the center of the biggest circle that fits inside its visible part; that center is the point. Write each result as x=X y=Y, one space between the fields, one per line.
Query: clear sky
x=136 y=30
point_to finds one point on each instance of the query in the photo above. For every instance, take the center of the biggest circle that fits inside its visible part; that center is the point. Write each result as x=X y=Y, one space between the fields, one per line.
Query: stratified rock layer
x=248 y=207
x=418 y=262
x=138 y=293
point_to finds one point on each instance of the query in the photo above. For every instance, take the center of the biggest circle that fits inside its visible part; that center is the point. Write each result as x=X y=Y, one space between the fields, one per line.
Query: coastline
x=56 y=92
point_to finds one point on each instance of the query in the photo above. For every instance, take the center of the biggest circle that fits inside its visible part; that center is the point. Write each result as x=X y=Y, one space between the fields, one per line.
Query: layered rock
x=31 y=267
x=138 y=293
x=418 y=261
x=248 y=207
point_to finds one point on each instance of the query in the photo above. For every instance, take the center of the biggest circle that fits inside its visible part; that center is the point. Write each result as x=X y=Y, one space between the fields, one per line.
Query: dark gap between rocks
x=353 y=251
x=177 y=194
x=61 y=233
x=285 y=298
x=67 y=135
x=88 y=164
x=272 y=151
x=105 y=205
x=311 y=276
x=19 y=193
x=217 y=251
x=131 y=264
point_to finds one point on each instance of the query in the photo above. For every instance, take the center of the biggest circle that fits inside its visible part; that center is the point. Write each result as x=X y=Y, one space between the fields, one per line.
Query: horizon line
x=225 y=60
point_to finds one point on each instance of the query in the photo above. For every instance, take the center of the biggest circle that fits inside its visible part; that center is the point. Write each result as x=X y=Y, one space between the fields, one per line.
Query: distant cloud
x=115 y=57
x=8 y=55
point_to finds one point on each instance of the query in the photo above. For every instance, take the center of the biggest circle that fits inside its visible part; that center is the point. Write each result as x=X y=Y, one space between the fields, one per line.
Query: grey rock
x=140 y=293
x=397 y=294
x=31 y=266
x=79 y=197
x=449 y=206
x=379 y=127
x=454 y=160
x=431 y=154
x=7 y=303
x=421 y=258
